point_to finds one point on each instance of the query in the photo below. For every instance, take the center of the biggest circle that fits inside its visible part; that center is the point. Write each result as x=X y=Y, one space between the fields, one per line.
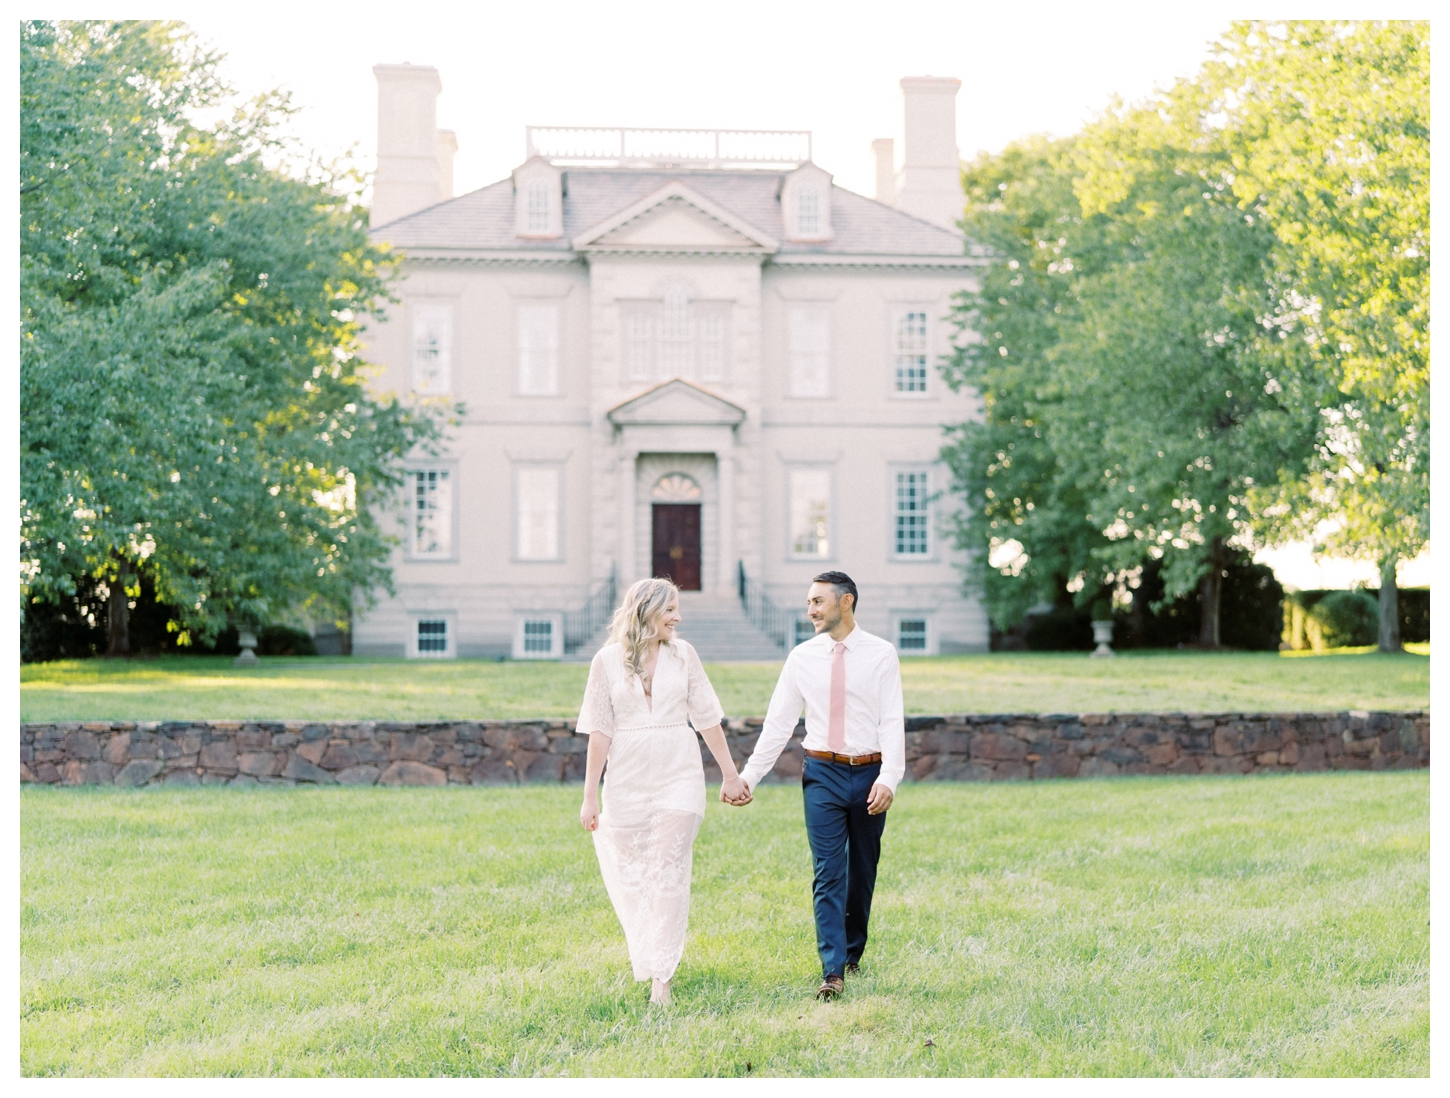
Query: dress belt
x=848 y=760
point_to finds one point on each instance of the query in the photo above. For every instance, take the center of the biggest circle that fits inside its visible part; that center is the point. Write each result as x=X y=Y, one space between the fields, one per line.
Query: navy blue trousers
x=846 y=845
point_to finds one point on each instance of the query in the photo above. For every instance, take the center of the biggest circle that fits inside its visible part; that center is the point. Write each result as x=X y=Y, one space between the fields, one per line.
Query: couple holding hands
x=647 y=689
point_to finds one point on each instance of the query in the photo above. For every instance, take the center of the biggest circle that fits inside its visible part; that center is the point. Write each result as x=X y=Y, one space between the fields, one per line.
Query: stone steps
x=717 y=627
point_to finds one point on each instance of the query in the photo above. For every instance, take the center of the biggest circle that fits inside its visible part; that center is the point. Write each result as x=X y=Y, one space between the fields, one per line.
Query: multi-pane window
x=432 y=636
x=432 y=512
x=537 y=512
x=810 y=513
x=712 y=347
x=910 y=350
x=808 y=210
x=538 y=350
x=810 y=352
x=805 y=629
x=911 y=635
x=912 y=534
x=677 y=334
x=639 y=345
x=432 y=348
x=539 y=214
x=539 y=637
x=674 y=337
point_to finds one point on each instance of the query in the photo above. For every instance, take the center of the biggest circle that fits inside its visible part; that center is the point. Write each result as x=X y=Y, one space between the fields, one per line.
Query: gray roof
x=484 y=219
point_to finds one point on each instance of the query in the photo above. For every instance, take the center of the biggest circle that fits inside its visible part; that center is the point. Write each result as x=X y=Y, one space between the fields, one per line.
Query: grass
x=195 y=687
x=1144 y=926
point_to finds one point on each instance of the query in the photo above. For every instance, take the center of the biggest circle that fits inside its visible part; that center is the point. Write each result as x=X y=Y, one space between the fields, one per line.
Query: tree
x=1328 y=132
x=1127 y=415
x=192 y=402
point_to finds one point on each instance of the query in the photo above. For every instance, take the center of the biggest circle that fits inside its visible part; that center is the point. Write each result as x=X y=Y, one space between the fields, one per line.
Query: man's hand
x=879 y=799
x=734 y=791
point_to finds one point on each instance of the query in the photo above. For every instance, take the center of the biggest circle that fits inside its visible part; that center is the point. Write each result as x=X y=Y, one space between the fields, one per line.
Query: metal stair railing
x=582 y=624
x=764 y=614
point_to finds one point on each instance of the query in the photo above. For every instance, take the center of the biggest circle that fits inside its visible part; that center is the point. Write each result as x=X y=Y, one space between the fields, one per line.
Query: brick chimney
x=929 y=184
x=415 y=161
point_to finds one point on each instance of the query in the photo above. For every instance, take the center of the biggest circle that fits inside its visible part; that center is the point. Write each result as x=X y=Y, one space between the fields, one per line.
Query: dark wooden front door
x=677 y=544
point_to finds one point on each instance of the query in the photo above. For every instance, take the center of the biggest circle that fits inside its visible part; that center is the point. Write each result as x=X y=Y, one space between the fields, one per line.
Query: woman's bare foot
x=660 y=992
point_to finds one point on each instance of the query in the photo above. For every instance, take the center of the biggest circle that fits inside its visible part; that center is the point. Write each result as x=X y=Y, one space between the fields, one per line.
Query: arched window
x=677 y=333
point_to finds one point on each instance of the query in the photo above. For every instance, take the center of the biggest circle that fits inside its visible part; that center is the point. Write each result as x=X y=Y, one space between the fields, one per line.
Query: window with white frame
x=538 y=350
x=911 y=636
x=639 y=345
x=432 y=348
x=432 y=639
x=677 y=334
x=536 y=509
x=539 y=218
x=538 y=637
x=910 y=351
x=810 y=352
x=805 y=629
x=808 y=210
x=675 y=337
x=810 y=513
x=912 y=533
x=712 y=346
x=432 y=513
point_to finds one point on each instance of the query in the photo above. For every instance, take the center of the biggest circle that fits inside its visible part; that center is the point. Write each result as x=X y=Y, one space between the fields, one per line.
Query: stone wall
x=972 y=748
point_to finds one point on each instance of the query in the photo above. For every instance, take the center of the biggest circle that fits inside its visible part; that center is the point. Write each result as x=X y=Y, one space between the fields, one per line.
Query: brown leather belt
x=849 y=760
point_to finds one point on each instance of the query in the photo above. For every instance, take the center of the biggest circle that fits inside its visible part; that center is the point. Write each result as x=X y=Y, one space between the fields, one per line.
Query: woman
x=643 y=685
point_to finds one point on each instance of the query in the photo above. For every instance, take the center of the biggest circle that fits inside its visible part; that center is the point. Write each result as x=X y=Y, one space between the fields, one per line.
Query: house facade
x=682 y=353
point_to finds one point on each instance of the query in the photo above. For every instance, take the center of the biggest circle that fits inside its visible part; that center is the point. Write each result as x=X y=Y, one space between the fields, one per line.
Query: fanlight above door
x=675 y=488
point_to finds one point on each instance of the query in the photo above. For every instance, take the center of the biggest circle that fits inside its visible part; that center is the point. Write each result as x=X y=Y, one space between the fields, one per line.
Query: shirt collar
x=853 y=638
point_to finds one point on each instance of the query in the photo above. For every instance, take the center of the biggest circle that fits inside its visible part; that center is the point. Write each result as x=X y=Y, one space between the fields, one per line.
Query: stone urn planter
x=1103 y=638
x=247 y=638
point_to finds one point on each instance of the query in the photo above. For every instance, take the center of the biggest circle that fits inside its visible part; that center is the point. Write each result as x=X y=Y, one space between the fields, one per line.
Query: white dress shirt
x=875 y=712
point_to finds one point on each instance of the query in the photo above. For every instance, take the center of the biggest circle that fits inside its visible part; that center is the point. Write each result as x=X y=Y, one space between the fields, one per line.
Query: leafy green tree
x=192 y=400
x=1327 y=129
x=1127 y=415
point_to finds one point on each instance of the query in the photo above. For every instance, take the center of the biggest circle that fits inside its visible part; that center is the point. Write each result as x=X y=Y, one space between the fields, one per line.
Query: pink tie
x=836 y=726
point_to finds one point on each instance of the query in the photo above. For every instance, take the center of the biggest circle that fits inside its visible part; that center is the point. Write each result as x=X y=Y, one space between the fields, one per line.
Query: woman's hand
x=589 y=812
x=735 y=791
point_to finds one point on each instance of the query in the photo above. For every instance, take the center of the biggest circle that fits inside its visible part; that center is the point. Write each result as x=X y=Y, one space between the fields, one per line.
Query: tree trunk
x=118 y=614
x=1210 y=591
x=1389 y=605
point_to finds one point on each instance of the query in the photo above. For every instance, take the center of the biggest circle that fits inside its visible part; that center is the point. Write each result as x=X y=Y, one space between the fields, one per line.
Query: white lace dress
x=654 y=795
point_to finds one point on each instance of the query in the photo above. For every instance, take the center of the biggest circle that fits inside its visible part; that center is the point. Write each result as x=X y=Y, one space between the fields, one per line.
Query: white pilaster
x=725 y=489
x=627 y=548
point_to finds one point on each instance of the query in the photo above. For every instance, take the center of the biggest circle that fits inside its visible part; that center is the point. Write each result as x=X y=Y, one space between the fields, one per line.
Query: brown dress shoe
x=831 y=988
x=852 y=968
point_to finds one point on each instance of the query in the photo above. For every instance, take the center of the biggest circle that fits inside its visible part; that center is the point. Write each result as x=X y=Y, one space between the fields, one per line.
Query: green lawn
x=1143 y=926
x=357 y=689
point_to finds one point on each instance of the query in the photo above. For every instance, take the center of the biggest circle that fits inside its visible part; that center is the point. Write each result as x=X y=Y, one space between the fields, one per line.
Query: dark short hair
x=843 y=585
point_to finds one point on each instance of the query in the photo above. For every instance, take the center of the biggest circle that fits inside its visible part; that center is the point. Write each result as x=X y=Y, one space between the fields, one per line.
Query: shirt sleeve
x=780 y=721
x=891 y=729
x=597 y=712
x=703 y=706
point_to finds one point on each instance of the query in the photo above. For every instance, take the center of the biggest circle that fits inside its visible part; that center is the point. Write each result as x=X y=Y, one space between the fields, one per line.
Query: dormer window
x=538 y=206
x=808 y=210
x=805 y=201
x=538 y=200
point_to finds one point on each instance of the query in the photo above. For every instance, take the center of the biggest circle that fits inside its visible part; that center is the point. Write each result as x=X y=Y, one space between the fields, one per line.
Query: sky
x=832 y=68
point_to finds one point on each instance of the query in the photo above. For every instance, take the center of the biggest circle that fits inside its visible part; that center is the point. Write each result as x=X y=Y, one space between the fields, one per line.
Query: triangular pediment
x=676 y=403
x=675 y=218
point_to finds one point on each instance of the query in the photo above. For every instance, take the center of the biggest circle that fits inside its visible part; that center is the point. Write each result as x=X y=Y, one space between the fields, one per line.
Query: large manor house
x=681 y=353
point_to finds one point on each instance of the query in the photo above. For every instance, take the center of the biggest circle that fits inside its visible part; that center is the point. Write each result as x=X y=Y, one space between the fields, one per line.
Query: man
x=849 y=683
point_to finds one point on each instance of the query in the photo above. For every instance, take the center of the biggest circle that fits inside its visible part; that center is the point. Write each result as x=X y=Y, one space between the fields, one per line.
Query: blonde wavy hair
x=636 y=623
